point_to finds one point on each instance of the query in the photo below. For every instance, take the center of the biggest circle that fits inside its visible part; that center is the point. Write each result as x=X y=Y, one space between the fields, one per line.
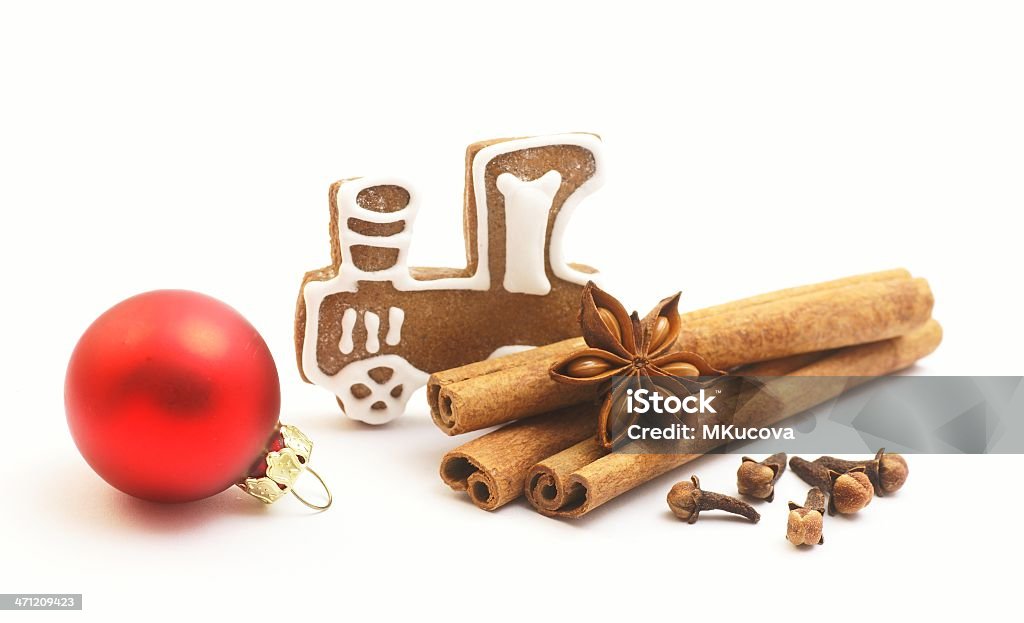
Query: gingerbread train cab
x=370 y=329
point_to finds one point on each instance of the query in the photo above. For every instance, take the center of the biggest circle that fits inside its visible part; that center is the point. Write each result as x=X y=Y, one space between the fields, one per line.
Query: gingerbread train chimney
x=375 y=231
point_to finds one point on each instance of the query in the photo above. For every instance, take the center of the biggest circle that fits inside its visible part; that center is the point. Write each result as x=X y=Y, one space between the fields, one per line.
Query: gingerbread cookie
x=371 y=329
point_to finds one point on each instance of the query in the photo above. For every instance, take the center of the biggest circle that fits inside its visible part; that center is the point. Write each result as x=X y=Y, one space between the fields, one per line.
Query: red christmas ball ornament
x=172 y=396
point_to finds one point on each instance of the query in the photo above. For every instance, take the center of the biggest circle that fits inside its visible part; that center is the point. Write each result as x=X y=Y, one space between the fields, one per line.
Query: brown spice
x=855 y=314
x=757 y=479
x=492 y=468
x=804 y=526
x=864 y=308
x=624 y=352
x=849 y=491
x=687 y=500
x=810 y=472
x=575 y=482
x=887 y=472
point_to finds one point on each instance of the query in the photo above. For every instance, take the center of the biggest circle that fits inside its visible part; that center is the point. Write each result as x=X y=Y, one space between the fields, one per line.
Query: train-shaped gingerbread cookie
x=370 y=328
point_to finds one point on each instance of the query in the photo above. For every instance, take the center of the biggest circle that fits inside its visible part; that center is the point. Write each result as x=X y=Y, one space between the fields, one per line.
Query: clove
x=757 y=478
x=687 y=500
x=805 y=522
x=849 y=491
x=887 y=472
x=814 y=474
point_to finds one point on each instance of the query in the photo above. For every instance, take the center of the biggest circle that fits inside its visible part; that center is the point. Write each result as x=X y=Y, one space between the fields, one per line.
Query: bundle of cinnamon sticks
x=866 y=325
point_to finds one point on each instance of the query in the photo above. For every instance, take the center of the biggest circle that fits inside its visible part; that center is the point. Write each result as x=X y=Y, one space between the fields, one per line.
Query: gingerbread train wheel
x=371 y=329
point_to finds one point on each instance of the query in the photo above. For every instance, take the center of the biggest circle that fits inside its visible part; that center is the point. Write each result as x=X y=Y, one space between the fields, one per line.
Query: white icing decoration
x=396 y=316
x=403 y=374
x=372 y=323
x=527 y=205
x=349 y=275
x=348 y=322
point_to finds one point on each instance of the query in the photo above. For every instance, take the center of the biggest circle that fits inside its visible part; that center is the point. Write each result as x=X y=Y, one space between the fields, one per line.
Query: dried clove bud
x=887 y=472
x=805 y=522
x=848 y=491
x=814 y=474
x=757 y=479
x=687 y=500
x=851 y=491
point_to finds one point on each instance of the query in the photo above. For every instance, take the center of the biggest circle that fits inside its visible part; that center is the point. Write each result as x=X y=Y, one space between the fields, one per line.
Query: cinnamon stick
x=878 y=358
x=782 y=366
x=854 y=314
x=546 y=481
x=492 y=468
x=807 y=319
x=787 y=293
x=572 y=483
x=496 y=391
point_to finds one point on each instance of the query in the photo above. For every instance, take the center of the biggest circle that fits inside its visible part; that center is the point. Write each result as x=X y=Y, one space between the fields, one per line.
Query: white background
x=750 y=146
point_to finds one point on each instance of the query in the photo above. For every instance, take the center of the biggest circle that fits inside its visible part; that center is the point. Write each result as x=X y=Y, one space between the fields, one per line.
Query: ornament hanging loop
x=327 y=492
x=279 y=470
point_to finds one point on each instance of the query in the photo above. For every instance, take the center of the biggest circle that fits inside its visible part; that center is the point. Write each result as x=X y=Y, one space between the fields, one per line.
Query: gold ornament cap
x=272 y=477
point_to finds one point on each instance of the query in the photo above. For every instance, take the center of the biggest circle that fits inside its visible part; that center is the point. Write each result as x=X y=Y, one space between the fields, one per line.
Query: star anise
x=626 y=352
